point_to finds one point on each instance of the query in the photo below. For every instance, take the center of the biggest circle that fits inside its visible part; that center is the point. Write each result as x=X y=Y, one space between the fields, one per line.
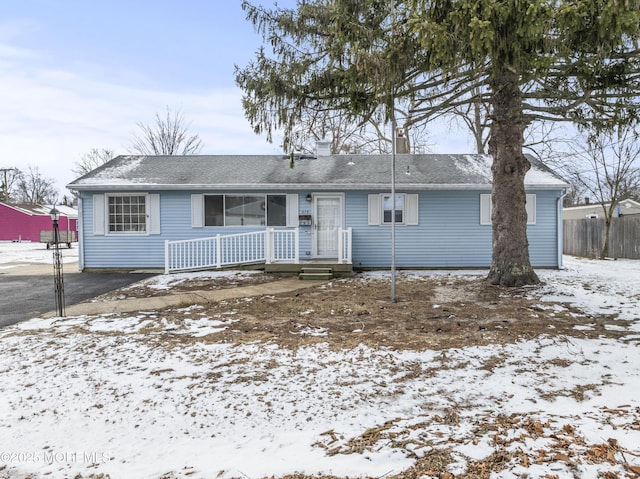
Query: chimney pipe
x=401 y=143
x=323 y=148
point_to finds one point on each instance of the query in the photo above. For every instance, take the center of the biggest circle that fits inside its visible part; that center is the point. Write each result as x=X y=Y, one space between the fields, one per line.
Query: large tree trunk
x=510 y=265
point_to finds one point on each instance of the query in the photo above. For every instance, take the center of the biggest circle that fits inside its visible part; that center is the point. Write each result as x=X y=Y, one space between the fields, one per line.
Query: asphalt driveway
x=27 y=291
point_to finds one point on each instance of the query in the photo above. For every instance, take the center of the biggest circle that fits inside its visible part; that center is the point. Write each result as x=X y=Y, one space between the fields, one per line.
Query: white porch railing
x=234 y=249
x=282 y=246
x=269 y=246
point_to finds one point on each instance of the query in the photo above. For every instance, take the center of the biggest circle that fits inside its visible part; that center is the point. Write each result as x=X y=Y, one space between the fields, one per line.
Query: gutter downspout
x=560 y=228
x=80 y=230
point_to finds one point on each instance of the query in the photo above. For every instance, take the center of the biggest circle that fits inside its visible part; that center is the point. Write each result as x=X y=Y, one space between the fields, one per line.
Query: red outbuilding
x=25 y=222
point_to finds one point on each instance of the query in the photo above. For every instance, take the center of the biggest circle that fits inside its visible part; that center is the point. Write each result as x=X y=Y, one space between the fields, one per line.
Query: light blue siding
x=543 y=236
x=306 y=246
x=128 y=250
x=147 y=251
x=449 y=233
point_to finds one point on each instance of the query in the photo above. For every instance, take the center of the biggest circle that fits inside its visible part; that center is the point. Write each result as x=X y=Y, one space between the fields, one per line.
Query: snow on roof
x=27 y=209
x=538 y=176
x=476 y=165
x=120 y=172
x=627 y=202
x=336 y=171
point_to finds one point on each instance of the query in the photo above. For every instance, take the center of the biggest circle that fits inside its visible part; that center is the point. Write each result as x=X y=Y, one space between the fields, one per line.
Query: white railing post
x=166 y=256
x=340 y=245
x=268 y=245
x=296 y=239
x=349 y=245
x=218 y=252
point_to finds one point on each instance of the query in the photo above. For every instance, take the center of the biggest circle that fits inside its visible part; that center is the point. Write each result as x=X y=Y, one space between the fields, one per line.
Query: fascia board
x=296 y=186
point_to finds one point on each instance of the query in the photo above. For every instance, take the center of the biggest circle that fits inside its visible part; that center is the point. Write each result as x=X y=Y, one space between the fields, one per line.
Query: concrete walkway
x=185 y=299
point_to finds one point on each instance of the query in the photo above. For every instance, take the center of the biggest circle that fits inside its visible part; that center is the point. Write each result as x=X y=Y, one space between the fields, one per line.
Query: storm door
x=327 y=220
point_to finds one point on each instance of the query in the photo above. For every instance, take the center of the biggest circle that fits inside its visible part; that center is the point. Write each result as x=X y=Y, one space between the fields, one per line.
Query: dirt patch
x=430 y=312
x=435 y=313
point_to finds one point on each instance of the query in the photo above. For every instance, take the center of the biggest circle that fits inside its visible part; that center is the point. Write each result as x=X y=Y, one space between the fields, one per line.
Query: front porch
x=277 y=249
x=307 y=268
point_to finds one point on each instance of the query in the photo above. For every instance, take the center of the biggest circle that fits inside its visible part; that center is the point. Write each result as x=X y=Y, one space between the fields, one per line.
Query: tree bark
x=608 y=216
x=510 y=265
x=605 y=244
x=478 y=127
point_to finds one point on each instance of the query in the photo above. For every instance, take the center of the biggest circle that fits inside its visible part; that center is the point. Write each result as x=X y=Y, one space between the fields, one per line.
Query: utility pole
x=5 y=184
x=393 y=200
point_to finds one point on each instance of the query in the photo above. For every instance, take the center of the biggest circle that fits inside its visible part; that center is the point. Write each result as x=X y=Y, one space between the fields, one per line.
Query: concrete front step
x=339 y=270
x=316 y=273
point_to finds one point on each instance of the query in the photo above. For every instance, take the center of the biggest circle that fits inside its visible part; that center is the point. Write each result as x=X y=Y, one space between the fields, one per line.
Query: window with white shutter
x=381 y=208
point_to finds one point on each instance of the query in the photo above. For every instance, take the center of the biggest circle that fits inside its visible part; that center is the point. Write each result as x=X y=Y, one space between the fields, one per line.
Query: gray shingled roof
x=439 y=171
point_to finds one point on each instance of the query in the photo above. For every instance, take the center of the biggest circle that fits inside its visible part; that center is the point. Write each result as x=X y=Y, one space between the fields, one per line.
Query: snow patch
x=111 y=390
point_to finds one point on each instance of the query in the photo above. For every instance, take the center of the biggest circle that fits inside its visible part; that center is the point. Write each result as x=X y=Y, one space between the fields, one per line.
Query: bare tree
x=556 y=148
x=345 y=136
x=9 y=180
x=474 y=115
x=92 y=160
x=169 y=136
x=608 y=170
x=412 y=137
x=67 y=200
x=35 y=189
x=348 y=136
x=631 y=187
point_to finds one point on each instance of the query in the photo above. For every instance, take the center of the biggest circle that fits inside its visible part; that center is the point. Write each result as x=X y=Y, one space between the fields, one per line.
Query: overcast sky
x=80 y=74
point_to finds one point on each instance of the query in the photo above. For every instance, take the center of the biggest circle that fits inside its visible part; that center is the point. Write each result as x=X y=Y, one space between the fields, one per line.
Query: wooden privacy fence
x=585 y=237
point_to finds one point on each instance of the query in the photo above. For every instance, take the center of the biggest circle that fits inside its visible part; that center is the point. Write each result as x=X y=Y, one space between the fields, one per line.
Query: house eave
x=297 y=186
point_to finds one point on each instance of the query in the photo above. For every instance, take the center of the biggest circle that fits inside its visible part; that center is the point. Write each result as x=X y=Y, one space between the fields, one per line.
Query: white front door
x=327 y=219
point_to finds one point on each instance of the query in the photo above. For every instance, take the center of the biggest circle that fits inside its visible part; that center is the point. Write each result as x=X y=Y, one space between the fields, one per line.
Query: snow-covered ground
x=90 y=395
x=32 y=252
